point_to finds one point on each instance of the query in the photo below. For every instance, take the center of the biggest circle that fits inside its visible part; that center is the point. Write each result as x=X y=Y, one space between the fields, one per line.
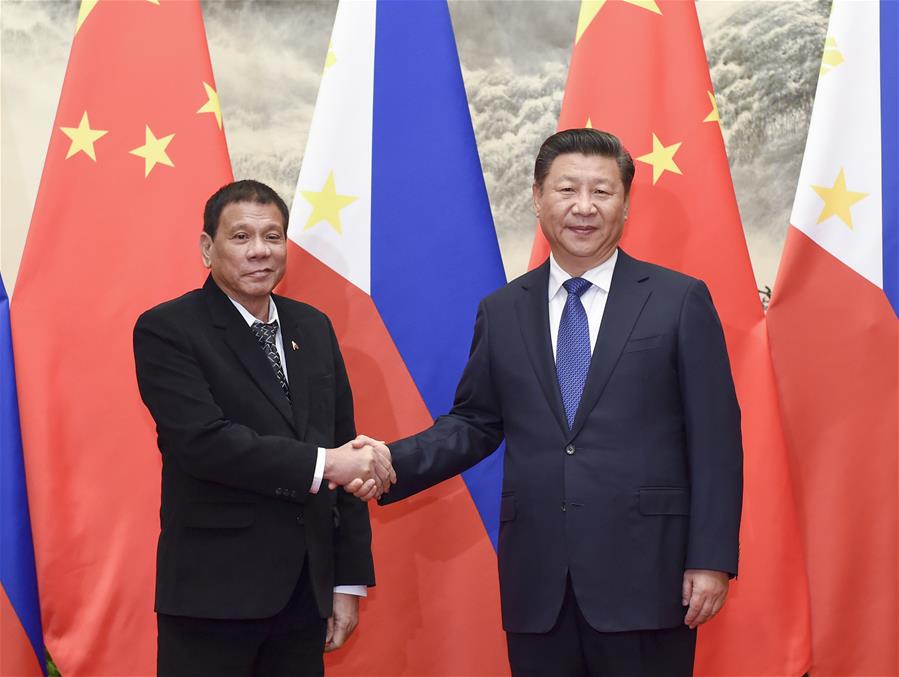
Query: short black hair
x=584 y=142
x=247 y=190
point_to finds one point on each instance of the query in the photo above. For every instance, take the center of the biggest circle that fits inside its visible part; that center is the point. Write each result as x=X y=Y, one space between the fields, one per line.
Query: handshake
x=361 y=466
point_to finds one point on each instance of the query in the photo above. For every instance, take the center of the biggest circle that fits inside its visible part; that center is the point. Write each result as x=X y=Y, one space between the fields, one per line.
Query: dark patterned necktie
x=573 y=347
x=266 y=334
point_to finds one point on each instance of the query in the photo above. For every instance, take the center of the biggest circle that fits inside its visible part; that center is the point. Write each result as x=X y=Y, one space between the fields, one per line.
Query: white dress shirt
x=593 y=300
x=249 y=318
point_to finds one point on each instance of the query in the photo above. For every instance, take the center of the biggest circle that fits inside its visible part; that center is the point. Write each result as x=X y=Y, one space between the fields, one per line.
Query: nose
x=259 y=248
x=584 y=203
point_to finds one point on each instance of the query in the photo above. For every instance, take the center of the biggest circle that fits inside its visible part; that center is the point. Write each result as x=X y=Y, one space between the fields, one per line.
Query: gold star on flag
x=83 y=138
x=838 y=200
x=326 y=205
x=661 y=158
x=832 y=56
x=713 y=116
x=212 y=105
x=330 y=58
x=87 y=6
x=153 y=151
x=589 y=124
x=590 y=8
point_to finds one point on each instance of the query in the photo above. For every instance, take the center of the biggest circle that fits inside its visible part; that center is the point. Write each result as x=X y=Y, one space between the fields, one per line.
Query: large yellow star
x=87 y=6
x=661 y=158
x=212 y=105
x=330 y=57
x=153 y=151
x=326 y=205
x=590 y=8
x=838 y=200
x=713 y=116
x=83 y=138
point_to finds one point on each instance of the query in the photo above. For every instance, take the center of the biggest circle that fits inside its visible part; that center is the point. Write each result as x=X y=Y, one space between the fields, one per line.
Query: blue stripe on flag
x=889 y=149
x=433 y=243
x=17 y=573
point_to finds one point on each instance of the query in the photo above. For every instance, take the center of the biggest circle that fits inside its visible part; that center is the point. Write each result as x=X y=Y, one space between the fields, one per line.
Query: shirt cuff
x=358 y=590
x=319 y=472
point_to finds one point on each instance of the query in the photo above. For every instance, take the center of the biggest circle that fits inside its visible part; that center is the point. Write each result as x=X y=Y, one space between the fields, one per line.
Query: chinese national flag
x=639 y=70
x=136 y=148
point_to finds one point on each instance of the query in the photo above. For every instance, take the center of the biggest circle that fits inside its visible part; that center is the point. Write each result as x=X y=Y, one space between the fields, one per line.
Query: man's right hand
x=362 y=468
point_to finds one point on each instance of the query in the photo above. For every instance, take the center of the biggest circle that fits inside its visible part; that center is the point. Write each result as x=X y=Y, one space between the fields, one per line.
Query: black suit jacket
x=646 y=484
x=238 y=458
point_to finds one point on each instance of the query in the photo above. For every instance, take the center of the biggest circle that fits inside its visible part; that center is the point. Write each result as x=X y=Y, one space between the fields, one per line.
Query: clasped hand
x=362 y=467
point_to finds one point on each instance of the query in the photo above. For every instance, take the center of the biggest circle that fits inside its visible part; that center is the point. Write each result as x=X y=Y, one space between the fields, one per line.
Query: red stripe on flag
x=436 y=608
x=17 y=657
x=835 y=344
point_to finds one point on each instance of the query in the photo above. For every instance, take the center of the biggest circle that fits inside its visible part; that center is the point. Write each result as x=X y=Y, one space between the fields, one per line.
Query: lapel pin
x=293 y=344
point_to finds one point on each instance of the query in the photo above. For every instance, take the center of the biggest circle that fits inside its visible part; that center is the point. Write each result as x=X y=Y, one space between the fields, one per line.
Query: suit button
x=279 y=491
x=564 y=507
x=569 y=450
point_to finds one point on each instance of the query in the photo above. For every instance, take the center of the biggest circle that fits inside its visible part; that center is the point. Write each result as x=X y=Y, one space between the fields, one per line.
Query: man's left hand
x=344 y=619
x=704 y=590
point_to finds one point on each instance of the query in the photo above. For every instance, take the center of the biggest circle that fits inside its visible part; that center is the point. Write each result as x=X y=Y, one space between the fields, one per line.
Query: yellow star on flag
x=87 y=6
x=330 y=58
x=589 y=124
x=83 y=138
x=590 y=8
x=153 y=151
x=713 y=116
x=838 y=200
x=661 y=158
x=326 y=205
x=212 y=105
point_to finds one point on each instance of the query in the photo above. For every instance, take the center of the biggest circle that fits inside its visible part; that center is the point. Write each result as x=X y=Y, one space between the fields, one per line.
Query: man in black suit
x=252 y=404
x=609 y=380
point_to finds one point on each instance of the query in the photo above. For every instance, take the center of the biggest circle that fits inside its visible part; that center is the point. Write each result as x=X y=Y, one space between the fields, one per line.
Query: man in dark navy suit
x=260 y=562
x=609 y=380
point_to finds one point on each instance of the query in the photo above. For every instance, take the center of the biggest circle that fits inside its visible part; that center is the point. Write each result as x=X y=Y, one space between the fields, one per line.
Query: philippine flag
x=21 y=640
x=835 y=343
x=391 y=235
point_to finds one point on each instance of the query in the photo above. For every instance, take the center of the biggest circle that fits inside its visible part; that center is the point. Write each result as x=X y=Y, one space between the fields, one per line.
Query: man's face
x=249 y=251
x=581 y=207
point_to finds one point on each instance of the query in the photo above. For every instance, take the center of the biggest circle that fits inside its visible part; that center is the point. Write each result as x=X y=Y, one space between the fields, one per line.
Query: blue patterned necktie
x=266 y=333
x=573 y=347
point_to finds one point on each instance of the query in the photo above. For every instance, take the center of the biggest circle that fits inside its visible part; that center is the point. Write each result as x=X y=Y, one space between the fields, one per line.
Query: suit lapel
x=298 y=356
x=240 y=339
x=627 y=297
x=533 y=318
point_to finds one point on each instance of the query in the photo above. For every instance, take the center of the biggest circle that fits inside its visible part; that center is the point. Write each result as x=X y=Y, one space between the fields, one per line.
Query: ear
x=627 y=206
x=205 y=247
x=536 y=193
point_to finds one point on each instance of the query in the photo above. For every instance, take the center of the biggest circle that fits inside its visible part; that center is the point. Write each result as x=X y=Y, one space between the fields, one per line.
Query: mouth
x=264 y=272
x=582 y=229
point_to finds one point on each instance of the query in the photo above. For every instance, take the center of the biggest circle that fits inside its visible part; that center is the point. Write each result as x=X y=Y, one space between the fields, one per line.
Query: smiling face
x=248 y=254
x=582 y=207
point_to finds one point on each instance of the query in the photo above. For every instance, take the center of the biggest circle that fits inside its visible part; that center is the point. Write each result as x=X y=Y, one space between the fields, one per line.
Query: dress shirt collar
x=249 y=318
x=600 y=276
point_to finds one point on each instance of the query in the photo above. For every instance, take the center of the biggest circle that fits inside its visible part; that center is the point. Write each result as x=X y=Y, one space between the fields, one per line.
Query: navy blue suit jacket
x=647 y=482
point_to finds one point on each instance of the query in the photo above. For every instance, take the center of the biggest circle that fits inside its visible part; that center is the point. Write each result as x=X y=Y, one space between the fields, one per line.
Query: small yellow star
x=212 y=105
x=589 y=124
x=590 y=8
x=326 y=205
x=153 y=151
x=87 y=6
x=832 y=56
x=661 y=158
x=83 y=138
x=838 y=200
x=330 y=58
x=713 y=116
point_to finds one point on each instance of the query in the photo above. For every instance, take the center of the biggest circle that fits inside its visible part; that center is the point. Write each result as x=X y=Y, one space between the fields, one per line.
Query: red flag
x=136 y=148
x=639 y=70
x=835 y=343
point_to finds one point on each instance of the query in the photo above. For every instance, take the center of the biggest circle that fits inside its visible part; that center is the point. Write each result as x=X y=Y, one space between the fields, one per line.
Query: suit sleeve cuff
x=319 y=472
x=357 y=590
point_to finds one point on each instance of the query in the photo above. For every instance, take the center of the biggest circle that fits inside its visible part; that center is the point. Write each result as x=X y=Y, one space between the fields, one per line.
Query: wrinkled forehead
x=251 y=214
x=580 y=166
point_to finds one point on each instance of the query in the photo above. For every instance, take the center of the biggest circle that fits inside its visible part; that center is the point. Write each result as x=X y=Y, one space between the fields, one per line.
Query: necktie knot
x=266 y=331
x=576 y=285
